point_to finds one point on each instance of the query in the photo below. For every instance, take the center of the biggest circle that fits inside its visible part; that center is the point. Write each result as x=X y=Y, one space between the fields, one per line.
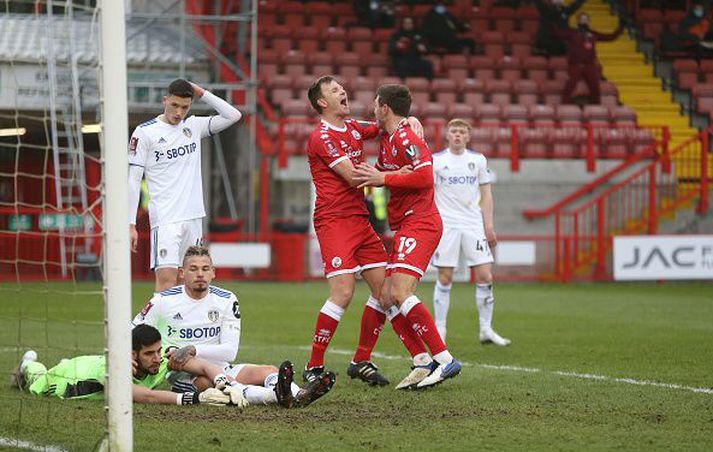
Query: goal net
x=53 y=242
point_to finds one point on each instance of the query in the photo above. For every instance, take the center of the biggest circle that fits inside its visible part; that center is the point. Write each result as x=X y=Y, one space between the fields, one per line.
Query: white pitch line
x=561 y=373
x=27 y=445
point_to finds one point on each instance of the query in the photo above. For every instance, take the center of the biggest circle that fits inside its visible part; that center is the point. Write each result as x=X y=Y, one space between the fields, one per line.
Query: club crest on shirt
x=146 y=309
x=213 y=315
x=337 y=262
x=471 y=166
x=356 y=135
x=187 y=132
x=133 y=144
x=413 y=152
x=394 y=151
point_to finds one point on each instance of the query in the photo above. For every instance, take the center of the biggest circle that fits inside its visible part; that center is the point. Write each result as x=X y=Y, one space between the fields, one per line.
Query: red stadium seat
x=536 y=67
x=706 y=66
x=557 y=63
x=568 y=114
x=534 y=141
x=320 y=63
x=483 y=67
x=294 y=63
x=611 y=142
x=685 y=65
x=622 y=116
x=542 y=114
x=596 y=114
x=433 y=111
x=296 y=107
x=377 y=66
x=311 y=8
x=483 y=139
x=609 y=93
x=320 y=21
x=365 y=97
x=515 y=113
x=294 y=20
x=686 y=80
x=520 y=44
x=463 y=111
x=493 y=43
x=640 y=142
x=473 y=91
x=358 y=108
x=510 y=68
x=703 y=90
x=445 y=90
x=488 y=113
x=526 y=92
x=567 y=142
x=335 y=40
x=552 y=92
x=420 y=89
x=499 y=91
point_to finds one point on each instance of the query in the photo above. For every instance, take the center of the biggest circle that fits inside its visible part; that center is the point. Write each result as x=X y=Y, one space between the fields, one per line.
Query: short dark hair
x=314 y=93
x=193 y=251
x=180 y=88
x=397 y=97
x=144 y=335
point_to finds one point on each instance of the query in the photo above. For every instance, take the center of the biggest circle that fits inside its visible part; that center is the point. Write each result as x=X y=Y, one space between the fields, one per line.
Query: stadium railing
x=583 y=234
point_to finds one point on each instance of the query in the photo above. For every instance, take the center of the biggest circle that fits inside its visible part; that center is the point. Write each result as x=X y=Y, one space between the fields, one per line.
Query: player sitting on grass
x=84 y=377
x=198 y=319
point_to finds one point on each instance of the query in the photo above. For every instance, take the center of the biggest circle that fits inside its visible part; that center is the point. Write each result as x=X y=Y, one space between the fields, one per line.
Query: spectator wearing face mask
x=695 y=27
x=441 y=29
x=582 y=56
x=554 y=14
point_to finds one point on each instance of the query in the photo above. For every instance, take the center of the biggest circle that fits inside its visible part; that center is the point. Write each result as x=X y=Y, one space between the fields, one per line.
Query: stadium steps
x=638 y=87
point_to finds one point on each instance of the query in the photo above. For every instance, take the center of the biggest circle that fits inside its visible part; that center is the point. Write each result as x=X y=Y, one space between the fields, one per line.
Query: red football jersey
x=328 y=146
x=403 y=148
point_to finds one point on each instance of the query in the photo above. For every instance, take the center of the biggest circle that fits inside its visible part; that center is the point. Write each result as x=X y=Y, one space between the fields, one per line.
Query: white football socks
x=441 y=303
x=485 y=300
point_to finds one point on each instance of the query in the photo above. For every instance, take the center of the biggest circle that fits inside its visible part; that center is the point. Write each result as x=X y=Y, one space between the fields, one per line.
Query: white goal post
x=116 y=241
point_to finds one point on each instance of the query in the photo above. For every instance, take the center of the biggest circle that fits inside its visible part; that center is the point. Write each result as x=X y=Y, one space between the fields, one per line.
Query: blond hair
x=458 y=122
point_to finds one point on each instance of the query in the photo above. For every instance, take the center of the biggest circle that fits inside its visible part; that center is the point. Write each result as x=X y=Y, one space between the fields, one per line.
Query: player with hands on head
x=166 y=150
x=417 y=224
x=465 y=201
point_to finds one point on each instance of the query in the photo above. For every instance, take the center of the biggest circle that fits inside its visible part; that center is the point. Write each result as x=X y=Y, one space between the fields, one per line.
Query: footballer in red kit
x=348 y=243
x=412 y=212
x=405 y=168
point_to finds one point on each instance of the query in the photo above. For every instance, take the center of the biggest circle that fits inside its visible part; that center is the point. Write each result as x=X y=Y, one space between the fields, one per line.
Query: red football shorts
x=414 y=244
x=349 y=245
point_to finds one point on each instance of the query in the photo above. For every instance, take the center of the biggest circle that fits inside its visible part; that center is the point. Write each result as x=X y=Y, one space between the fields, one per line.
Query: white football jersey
x=211 y=324
x=171 y=158
x=457 y=181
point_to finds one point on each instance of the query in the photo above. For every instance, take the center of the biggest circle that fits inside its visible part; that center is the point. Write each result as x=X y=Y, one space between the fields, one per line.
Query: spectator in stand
x=441 y=29
x=375 y=14
x=582 y=56
x=554 y=15
x=406 y=49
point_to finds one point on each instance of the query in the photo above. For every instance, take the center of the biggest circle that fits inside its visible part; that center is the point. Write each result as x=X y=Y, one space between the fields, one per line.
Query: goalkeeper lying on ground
x=84 y=377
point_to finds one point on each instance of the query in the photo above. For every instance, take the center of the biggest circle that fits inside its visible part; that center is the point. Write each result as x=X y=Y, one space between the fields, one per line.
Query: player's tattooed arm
x=416 y=125
x=178 y=357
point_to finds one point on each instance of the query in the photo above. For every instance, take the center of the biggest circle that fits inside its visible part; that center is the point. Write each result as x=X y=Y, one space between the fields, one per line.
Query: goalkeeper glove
x=211 y=396
x=237 y=397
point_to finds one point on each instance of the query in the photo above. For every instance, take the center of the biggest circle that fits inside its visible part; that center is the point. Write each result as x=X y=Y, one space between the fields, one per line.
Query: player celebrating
x=347 y=241
x=414 y=217
x=465 y=201
x=167 y=151
x=84 y=377
x=198 y=319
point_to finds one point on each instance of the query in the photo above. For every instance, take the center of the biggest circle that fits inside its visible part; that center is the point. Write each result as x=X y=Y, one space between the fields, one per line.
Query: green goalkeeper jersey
x=81 y=377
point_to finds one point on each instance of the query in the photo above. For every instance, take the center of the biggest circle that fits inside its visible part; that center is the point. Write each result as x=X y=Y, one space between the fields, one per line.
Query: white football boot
x=489 y=336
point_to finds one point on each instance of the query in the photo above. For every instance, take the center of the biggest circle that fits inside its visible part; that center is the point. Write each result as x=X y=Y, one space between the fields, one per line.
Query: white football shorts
x=169 y=242
x=471 y=241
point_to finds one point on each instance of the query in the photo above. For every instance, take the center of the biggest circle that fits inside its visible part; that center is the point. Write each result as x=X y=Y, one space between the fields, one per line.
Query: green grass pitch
x=592 y=366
